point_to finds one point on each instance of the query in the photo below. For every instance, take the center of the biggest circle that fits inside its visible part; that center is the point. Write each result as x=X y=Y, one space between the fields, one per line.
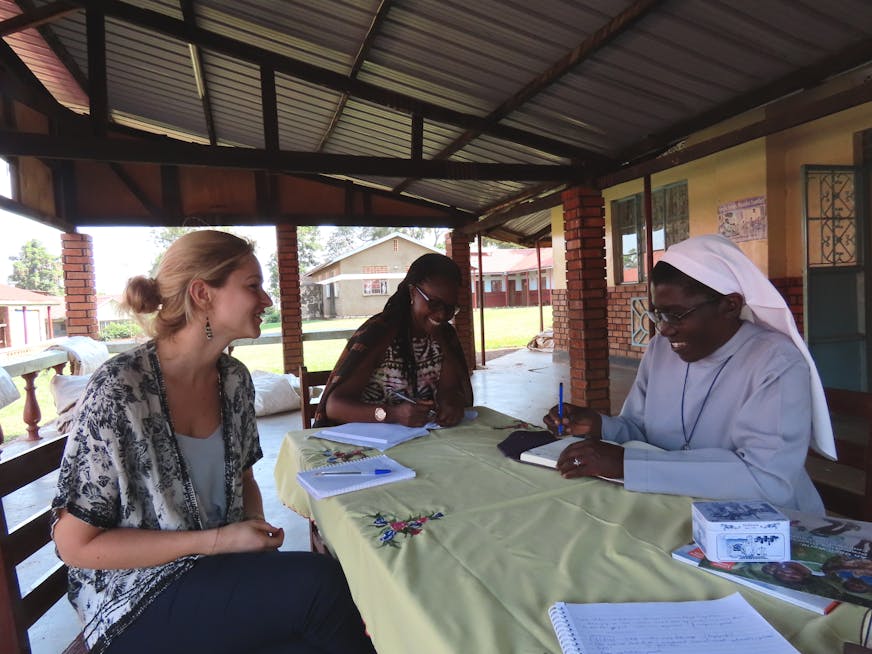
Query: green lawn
x=504 y=328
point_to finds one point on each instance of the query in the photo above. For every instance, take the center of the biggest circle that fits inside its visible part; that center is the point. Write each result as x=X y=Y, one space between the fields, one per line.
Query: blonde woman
x=157 y=512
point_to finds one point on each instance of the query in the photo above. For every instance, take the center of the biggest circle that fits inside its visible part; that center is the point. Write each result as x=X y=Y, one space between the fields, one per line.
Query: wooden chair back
x=845 y=485
x=308 y=404
x=18 y=613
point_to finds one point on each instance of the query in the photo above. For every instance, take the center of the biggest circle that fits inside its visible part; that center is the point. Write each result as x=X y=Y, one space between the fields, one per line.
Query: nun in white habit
x=727 y=389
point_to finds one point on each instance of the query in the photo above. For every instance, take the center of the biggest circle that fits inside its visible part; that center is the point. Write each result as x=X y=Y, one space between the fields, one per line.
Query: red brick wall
x=560 y=321
x=289 y=290
x=584 y=229
x=77 y=258
x=620 y=320
x=457 y=247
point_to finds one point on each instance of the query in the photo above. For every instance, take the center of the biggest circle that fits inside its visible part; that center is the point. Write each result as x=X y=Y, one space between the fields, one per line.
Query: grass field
x=504 y=328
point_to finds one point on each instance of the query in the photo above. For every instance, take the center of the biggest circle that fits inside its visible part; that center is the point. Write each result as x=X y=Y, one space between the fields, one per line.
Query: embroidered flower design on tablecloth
x=390 y=526
x=338 y=456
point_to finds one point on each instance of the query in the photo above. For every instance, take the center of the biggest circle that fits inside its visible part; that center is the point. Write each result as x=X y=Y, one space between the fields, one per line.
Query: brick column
x=77 y=257
x=560 y=325
x=457 y=247
x=586 y=306
x=289 y=291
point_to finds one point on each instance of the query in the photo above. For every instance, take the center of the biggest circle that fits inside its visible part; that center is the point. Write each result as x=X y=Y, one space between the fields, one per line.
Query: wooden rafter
x=803 y=78
x=162 y=24
x=36 y=17
x=519 y=210
x=190 y=154
x=366 y=44
x=584 y=50
x=771 y=125
x=190 y=17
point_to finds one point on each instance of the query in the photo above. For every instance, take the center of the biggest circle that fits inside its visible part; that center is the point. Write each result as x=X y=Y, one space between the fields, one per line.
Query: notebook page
x=320 y=485
x=723 y=626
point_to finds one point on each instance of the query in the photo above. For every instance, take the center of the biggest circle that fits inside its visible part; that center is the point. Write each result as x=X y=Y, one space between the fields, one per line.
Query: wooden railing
x=30 y=366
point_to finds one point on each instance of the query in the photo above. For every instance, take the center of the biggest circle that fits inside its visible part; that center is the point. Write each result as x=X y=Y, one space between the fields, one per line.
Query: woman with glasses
x=727 y=389
x=405 y=364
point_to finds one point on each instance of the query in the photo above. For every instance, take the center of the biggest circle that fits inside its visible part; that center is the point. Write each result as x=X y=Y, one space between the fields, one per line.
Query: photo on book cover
x=830 y=557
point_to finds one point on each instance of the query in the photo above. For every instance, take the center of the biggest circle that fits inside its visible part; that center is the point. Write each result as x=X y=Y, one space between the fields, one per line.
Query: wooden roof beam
x=162 y=24
x=190 y=154
x=599 y=39
x=523 y=209
x=37 y=17
x=804 y=78
x=377 y=19
x=190 y=17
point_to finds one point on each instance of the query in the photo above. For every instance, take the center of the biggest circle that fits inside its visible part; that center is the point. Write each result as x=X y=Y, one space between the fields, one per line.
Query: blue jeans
x=251 y=603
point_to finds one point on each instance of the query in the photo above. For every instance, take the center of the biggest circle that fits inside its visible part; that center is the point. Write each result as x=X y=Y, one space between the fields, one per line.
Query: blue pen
x=377 y=471
x=560 y=410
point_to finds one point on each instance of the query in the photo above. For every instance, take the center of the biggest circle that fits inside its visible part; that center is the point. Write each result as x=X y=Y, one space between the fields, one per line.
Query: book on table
x=349 y=476
x=721 y=626
x=547 y=455
x=830 y=558
x=693 y=555
x=378 y=435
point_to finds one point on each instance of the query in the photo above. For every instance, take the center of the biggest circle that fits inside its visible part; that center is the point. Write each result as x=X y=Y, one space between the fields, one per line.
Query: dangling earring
x=208 y=329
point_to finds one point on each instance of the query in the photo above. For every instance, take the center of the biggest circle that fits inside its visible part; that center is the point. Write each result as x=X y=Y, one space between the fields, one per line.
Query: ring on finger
x=576 y=461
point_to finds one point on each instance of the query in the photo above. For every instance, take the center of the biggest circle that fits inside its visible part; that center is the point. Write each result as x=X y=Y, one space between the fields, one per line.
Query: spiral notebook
x=349 y=476
x=721 y=626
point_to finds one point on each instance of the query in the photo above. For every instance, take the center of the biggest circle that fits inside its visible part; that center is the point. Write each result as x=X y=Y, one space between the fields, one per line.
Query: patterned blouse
x=122 y=467
x=391 y=376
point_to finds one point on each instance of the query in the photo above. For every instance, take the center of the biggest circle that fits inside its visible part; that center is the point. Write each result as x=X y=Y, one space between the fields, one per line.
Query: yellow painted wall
x=770 y=167
x=734 y=174
x=826 y=141
x=558 y=247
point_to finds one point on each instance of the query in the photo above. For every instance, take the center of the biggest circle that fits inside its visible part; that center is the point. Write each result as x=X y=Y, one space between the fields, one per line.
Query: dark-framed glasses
x=436 y=305
x=658 y=317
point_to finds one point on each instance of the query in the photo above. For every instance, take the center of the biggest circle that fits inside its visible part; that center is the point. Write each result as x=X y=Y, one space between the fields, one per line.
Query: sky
x=119 y=252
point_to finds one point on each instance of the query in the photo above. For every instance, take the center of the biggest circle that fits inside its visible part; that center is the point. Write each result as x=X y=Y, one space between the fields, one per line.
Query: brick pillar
x=560 y=325
x=457 y=247
x=77 y=257
x=586 y=306
x=289 y=292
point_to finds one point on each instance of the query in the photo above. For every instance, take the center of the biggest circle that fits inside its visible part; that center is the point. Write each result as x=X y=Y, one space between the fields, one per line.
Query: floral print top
x=122 y=467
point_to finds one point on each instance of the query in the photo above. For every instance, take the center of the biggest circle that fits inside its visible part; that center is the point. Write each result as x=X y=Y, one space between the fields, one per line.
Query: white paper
x=723 y=626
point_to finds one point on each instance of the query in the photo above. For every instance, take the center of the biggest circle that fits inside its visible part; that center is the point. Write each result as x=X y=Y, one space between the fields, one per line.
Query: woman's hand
x=411 y=415
x=450 y=413
x=591 y=458
x=247 y=536
x=577 y=421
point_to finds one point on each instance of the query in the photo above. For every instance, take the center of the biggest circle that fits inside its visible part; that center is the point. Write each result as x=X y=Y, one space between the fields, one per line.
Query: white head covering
x=718 y=263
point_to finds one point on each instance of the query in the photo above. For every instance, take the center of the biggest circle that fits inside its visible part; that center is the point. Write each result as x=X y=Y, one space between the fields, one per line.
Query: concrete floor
x=522 y=384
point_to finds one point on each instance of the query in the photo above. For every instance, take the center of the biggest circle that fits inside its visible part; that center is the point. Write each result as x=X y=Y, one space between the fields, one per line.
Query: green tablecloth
x=513 y=539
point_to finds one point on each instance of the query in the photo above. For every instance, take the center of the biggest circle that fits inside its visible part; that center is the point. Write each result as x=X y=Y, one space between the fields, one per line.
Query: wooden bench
x=19 y=612
x=846 y=485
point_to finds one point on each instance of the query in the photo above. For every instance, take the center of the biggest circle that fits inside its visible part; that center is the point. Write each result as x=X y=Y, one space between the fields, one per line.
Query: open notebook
x=547 y=455
x=721 y=626
x=348 y=476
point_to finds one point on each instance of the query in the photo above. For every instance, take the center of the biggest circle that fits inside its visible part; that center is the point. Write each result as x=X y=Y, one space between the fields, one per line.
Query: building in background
x=358 y=283
x=27 y=317
x=510 y=277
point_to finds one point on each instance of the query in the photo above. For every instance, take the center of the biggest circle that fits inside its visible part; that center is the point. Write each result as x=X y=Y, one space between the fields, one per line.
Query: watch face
x=380 y=414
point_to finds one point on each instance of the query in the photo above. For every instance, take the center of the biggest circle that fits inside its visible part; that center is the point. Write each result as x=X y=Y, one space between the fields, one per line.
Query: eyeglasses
x=436 y=305
x=659 y=317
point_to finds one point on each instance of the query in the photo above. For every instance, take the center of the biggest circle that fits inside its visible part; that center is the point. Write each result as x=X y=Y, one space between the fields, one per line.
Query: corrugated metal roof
x=682 y=58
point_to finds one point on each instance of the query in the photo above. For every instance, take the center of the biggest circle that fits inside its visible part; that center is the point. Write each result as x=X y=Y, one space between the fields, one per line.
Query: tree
x=309 y=247
x=346 y=239
x=36 y=269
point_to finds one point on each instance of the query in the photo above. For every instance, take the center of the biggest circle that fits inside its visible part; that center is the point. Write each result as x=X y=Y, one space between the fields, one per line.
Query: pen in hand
x=377 y=471
x=405 y=398
x=560 y=410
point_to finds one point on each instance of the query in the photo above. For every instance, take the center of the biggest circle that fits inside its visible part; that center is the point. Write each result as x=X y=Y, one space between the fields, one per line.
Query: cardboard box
x=741 y=530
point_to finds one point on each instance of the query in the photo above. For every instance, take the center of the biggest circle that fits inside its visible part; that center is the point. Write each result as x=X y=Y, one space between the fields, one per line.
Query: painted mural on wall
x=743 y=220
